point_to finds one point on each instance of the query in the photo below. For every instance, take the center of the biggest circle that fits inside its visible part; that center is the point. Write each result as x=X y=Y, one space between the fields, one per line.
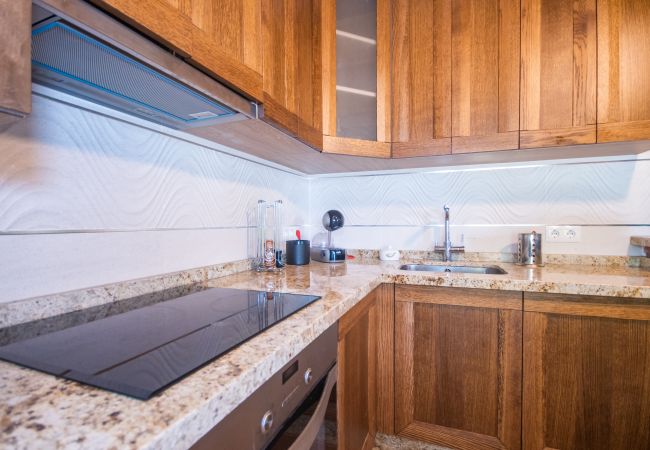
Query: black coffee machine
x=332 y=221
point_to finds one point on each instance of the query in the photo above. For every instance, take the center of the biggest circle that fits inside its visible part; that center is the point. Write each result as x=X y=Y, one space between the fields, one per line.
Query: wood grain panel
x=210 y=57
x=458 y=367
x=485 y=143
x=623 y=61
x=278 y=115
x=557 y=137
x=385 y=384
x=157 y=18
x=365 y=384
x=315 y=117
x=353 y=402
x=221 y=22
x=421 y=77
x=328 y=66
x=15 y=60
x=624 y=131
x=440 y=146
x=586 y=382
x=481 y=298
x=184 y=6
x=357 y=147
x=586 y=305
x=292 y=67
x=304 y=61
x=310 y=135
x=233 y=27
x=509 y=65
x=274 y=68
x=485 y=68
x=558 y=72
x=384 y=110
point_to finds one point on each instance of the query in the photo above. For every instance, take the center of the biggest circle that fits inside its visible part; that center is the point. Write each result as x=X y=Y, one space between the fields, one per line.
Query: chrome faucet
x=447 y=249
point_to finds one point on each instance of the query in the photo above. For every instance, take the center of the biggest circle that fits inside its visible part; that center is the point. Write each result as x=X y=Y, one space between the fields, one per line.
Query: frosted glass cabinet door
x=356 y=69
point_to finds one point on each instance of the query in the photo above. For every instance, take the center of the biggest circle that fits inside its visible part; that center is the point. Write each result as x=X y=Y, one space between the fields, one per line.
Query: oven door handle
x=308 y=435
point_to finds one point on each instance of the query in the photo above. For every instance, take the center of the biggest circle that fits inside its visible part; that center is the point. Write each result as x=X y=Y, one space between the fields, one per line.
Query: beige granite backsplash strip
x=158 y=287
x=504 y=257
x=165 y=286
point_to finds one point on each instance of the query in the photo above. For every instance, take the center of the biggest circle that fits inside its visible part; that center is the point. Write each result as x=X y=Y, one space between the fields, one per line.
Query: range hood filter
x=68 y=60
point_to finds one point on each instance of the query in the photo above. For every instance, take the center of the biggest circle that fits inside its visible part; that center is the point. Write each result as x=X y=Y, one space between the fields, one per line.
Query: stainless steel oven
x=288 y=411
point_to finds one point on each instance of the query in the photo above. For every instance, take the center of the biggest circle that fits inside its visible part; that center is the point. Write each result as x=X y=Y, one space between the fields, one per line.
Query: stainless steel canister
x=529 y=249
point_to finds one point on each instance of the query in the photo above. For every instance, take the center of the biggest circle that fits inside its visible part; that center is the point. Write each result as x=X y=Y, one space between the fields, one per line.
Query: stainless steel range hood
x=81 y=51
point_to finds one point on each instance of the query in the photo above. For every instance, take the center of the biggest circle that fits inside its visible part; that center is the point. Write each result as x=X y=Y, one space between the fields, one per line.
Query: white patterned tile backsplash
x=65 y=168
x=489 y=206
x=595 y=193
x=87 y=198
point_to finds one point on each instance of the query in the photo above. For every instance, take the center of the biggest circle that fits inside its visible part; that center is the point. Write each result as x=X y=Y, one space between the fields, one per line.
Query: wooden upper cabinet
x=458 y=366
x=485 y=75
x=558 y=72
x=222 y=37
x=455 y=76
x=586 y=373
x=422 y=77
x=292 y=86
x=356 y=77
x=15 y=61
x=623 y=70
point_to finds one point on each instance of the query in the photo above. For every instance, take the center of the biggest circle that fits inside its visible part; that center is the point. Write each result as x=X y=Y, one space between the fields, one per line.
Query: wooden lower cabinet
x=586 y=373
x=458 y=366
x=365 y=378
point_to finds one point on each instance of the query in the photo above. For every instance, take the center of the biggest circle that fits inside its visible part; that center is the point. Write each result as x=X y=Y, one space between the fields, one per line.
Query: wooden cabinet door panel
x=15 y=62
x=586 y=373
x=233 y=26
x=226 y=41
x=365 y=381
x=421 y=78
x=291 y=67
x=558 y=72
x=458 y=366
x=485 y=75
x=623 y=75
x=167 y=21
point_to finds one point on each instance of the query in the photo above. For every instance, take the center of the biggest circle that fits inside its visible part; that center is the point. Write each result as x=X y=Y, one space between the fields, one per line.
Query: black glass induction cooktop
x=141 y=351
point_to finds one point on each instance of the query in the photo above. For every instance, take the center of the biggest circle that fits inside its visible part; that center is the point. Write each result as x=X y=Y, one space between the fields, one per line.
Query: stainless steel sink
x=489 y=270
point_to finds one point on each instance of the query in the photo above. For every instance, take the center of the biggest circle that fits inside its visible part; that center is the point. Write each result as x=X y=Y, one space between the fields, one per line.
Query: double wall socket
x=565 y=233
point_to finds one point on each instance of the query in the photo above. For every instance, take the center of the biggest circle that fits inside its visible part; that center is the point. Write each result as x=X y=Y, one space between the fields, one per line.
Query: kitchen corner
x=324 y=224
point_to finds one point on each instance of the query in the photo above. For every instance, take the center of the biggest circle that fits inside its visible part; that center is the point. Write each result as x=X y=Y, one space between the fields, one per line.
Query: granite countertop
x=42 y=411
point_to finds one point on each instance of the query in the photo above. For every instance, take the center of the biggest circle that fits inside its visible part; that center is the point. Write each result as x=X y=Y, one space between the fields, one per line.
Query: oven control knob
x=308 y=376
x=267 y=422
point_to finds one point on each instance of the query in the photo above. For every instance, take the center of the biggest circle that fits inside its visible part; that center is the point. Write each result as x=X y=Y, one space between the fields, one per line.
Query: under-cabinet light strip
x=356 y=37
x=356 y=91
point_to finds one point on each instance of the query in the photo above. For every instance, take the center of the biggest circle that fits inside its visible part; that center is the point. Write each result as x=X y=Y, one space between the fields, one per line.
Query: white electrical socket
x=566 y=233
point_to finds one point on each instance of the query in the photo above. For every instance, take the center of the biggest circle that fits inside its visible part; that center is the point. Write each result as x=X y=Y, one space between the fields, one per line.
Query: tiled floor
x=385 y=442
